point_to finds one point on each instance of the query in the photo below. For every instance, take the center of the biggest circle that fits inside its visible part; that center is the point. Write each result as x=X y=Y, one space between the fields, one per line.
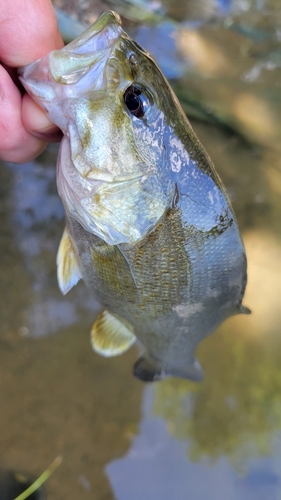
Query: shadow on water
x=174 y=439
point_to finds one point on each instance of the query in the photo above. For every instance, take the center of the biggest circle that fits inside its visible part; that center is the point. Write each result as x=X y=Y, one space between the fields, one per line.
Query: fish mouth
x=102 y=34
x=89 y=50
x=79 y=66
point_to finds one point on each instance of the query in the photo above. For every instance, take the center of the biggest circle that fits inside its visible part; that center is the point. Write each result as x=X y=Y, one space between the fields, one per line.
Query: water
x=120 y=439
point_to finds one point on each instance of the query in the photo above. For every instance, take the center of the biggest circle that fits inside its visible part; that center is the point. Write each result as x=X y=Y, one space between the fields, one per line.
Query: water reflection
x=157 y=467
x=236 y=410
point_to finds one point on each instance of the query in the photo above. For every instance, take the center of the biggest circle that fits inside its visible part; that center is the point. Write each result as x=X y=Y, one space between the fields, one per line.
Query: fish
x=149 y=226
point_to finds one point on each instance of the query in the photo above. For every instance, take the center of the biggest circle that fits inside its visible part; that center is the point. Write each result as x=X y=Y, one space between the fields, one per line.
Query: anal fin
x=111 y=335
x=149 y=371
x=67 y=266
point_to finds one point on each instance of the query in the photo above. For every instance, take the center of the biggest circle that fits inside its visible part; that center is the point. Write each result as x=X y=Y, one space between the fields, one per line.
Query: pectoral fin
x=111 y=335
x=148 y=370
x=67 y=265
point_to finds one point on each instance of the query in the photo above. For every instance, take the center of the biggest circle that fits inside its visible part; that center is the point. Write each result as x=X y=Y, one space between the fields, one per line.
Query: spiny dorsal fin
x=67 y=266
x=110 y=335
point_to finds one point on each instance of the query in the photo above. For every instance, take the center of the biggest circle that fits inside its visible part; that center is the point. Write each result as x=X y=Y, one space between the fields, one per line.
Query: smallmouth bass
x=149 y=226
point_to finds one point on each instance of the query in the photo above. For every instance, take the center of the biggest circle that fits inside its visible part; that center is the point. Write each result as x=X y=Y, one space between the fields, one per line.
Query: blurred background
x=120 y=439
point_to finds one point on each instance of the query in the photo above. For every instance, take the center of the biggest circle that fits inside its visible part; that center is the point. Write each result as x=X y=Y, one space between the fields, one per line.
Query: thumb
x=37 y=123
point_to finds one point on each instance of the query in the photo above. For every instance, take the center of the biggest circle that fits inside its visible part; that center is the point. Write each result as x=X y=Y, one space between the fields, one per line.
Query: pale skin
x=28 y=31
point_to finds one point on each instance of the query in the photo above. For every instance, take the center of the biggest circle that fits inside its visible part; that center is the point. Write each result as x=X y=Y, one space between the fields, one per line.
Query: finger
x=37 y=123
x=16 y=143
x=28 y=31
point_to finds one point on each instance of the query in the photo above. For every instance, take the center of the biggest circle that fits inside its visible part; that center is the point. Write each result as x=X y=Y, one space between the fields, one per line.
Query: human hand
x=28 y=31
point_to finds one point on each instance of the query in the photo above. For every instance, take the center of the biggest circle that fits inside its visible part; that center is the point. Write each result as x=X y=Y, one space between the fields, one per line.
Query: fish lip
x=103 y=34
x=76 y=66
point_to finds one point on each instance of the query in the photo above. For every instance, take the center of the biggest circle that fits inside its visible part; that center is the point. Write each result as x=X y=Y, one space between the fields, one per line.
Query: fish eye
x=136 y=101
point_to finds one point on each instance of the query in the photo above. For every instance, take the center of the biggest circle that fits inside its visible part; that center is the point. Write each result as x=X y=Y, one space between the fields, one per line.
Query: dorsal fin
x=67 y=265
x=111 y=335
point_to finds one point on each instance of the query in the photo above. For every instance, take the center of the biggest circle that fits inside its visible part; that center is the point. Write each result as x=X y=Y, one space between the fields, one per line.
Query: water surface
x=121 y=439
